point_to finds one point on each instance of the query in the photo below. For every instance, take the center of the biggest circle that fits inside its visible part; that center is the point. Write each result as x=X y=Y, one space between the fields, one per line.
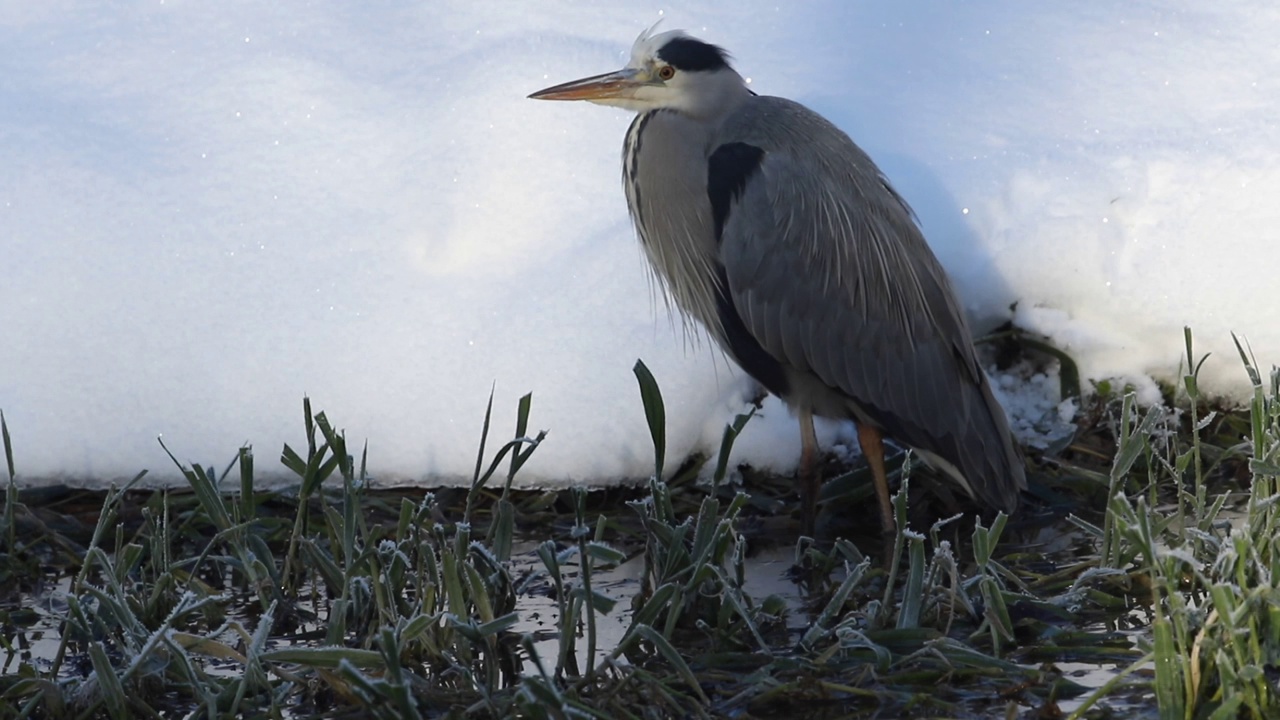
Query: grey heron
x=776 y=233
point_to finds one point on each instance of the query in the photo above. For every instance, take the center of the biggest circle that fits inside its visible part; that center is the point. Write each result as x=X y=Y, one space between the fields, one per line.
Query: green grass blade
x=655 y=413
x=8 y=446
x=112 y=692
x=731 y=433
x=673 y=657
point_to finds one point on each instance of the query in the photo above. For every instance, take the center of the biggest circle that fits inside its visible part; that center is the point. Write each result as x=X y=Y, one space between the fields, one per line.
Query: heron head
x=669 y=70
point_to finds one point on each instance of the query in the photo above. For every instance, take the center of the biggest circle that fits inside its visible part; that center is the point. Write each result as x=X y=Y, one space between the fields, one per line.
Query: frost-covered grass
x=1212 y=573
x=336 y=600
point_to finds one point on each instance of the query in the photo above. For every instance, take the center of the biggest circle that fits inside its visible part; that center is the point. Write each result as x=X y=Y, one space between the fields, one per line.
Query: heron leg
x=808 y=472
x=872 y=443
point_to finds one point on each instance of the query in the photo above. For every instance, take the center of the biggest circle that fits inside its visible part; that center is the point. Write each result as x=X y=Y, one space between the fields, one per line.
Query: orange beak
x=618 y=84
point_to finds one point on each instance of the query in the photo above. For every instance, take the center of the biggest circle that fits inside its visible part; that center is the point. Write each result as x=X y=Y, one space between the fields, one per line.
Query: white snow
x=208 y=211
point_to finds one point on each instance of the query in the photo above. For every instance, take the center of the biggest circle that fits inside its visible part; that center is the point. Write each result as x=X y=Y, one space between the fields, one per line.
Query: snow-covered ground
x=208 y=210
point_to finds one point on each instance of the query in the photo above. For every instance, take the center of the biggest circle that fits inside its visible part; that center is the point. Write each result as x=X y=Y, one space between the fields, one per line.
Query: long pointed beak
x=620 y=84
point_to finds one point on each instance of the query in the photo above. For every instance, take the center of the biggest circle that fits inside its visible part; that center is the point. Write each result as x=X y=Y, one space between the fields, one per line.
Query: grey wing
x=828 y=272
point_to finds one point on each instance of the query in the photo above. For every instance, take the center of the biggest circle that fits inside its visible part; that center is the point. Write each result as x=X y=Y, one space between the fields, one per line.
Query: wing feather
x=827 y=269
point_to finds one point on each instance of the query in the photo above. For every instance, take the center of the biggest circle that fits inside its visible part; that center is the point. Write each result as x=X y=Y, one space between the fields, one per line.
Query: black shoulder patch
x=743 y=346
x=728 y=170
x=686 y=53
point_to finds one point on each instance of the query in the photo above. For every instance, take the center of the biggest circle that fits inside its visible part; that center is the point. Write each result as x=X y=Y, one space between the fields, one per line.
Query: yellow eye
x=666 y=72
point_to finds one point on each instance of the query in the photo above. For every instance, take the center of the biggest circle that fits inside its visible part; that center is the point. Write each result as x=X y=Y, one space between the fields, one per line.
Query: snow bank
x=206 y=214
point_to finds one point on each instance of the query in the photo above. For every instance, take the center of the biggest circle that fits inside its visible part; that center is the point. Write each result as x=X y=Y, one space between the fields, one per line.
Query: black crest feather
x=691 y=54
